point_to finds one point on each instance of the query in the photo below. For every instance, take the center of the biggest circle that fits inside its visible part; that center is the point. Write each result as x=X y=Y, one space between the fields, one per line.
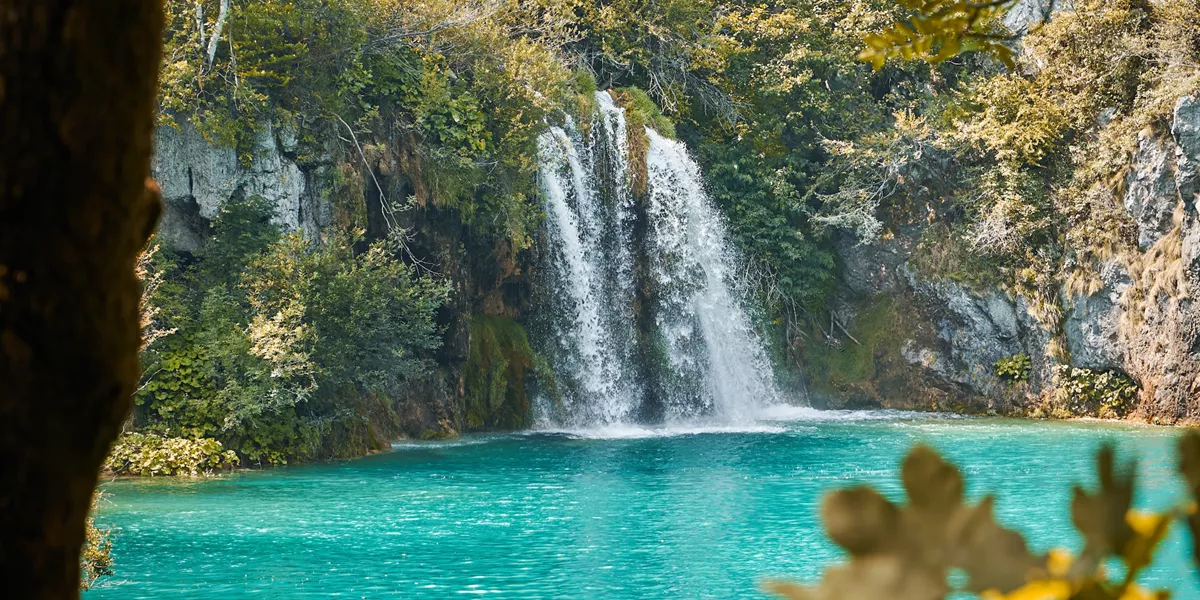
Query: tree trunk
x=78 y=80
x=213 y=43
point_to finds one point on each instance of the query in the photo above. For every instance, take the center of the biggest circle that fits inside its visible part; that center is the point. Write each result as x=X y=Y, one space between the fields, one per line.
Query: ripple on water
x=689 y=510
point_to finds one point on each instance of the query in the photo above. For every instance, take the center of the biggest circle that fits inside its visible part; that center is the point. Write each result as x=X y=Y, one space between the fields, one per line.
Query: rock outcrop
x=197 y=177
x=1139 y=317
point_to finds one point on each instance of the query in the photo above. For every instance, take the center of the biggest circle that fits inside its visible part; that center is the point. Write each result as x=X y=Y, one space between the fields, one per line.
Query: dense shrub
x=1087 y=391
x=148 y=455
x=276 y=340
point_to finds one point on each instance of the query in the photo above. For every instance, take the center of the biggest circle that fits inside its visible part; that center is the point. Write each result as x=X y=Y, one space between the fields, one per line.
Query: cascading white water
x=708 y=335
x=589 y=260
x=700 y=358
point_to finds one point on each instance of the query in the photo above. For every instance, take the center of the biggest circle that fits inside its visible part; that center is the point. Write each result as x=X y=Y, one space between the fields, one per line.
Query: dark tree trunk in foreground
x=78 y=80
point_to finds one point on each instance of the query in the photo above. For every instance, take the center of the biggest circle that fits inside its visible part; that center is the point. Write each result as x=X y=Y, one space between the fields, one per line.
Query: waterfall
x=641 y=316
x=590 y=274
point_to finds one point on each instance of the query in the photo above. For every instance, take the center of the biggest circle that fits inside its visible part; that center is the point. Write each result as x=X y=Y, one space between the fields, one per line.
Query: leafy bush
x=1013 y=368
x=1086 y=391
x=938 y=546
x=276 y=340
x=148 y=455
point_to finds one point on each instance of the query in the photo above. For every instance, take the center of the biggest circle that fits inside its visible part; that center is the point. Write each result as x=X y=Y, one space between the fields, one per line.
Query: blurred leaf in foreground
x=909 y=552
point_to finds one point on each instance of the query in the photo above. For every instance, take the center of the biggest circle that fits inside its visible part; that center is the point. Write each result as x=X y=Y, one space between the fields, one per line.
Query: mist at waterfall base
x=641 y=313
x=541 y=515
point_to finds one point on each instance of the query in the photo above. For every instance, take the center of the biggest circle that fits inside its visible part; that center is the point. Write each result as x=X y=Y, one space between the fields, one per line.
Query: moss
x=638 y=105
x=835 y=368
x=500 y=359
x=640 y=113
x=873 y=371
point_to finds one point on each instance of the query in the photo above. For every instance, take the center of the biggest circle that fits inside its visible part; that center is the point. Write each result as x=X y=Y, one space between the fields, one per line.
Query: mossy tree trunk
x=78 y=80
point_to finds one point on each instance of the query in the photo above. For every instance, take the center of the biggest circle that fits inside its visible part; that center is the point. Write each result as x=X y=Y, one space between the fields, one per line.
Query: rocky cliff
x=917 y=340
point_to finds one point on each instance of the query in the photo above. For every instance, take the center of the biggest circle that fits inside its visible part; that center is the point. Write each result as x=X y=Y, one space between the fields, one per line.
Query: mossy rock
x=495 y=388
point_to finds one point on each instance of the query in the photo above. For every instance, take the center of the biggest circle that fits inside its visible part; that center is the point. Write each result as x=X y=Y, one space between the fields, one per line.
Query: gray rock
x=1091 y=322
x=276 y=178
x=197 y=178
x=1185 y=129
x=188 y=168
x=975 y=331
x=1151 y=193
x=288 y=140
x=1026 y=13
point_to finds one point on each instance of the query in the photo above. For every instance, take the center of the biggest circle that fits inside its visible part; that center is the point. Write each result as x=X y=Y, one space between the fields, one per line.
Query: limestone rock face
x=1151 y=191
x=197 y=177
x=975 y=332
x=1091 y=326
x=1185 y=129
x=189 y=169
x=1142 y=318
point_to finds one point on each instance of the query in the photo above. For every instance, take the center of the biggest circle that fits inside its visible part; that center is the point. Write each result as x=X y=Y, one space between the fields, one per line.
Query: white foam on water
x=630 y=432
x=789 y=413
x=436 y=444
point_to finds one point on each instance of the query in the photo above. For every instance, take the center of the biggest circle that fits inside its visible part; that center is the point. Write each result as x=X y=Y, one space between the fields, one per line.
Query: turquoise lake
x=624 y=513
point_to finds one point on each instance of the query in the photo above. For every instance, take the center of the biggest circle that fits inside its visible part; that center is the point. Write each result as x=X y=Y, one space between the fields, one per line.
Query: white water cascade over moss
x=643 y=319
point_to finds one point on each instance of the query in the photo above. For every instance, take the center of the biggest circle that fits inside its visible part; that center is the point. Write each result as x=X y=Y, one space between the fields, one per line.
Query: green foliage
x=938 y=546
x=278 y=342
x=95 y=558
x=1086 y=391
x=1013 y=368
x=453 y=91
x=499 y=365
x=149 y=455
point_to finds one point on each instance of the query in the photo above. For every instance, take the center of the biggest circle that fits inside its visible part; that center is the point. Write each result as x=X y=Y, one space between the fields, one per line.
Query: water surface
x=617 y=513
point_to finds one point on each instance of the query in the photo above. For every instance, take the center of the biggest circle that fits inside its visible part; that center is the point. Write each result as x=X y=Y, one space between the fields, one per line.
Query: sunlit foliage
x=278 y=340
x=938 y=30
x=95 y=558
x=150 y=455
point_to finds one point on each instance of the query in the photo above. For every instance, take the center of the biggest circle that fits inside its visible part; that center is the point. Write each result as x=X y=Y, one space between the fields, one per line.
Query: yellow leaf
x=1058 y=562
x=1145 y=523
x=1137 y=592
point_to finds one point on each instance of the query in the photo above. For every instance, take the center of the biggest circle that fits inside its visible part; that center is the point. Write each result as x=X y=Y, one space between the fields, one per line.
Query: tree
x=78 y=79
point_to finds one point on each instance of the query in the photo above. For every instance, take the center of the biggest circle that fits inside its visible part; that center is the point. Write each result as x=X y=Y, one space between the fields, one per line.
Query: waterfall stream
x=642 y=319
